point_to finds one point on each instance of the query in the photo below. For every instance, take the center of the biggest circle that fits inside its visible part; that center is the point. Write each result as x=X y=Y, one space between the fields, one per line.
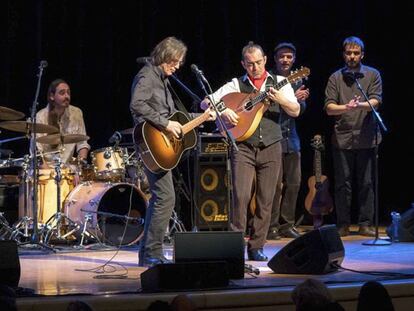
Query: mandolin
x=251 y=107
x=318 y=201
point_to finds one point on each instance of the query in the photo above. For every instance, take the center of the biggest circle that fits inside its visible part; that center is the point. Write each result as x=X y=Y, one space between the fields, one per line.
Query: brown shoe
x=366 y=231
x=343 y=231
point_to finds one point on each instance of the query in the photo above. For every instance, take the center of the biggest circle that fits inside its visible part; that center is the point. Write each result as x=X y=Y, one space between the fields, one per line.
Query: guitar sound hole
x=248 y=106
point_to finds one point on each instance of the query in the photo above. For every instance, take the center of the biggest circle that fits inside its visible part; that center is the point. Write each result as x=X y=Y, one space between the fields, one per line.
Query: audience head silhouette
x=374 y=296
x=311 y=294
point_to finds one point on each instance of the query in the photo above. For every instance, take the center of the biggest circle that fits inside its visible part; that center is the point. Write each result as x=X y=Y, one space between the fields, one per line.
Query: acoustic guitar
x=161 y=151
x=318 y=201
x=251 y=107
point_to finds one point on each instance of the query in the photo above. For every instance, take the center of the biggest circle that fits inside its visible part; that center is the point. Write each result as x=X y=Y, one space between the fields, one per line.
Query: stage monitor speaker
x=316 y=252
x=9 y=264
x=207 y=246
x=186 y=275
x=406 y=227
x=212 y=192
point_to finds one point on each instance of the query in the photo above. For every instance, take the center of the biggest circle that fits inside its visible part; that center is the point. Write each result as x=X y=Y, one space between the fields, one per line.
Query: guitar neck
x=262 y=95
x=195 y=122
x=318 y=166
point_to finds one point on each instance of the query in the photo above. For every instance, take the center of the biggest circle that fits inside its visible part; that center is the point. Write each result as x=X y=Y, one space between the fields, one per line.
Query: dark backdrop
x=94 y=45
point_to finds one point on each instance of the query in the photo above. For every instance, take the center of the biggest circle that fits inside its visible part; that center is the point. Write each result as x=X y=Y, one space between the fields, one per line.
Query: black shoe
x=343 y=230
x=273 y=234
x=366 y=231
x=152 y=261
x=256 y=255
x=290 y=232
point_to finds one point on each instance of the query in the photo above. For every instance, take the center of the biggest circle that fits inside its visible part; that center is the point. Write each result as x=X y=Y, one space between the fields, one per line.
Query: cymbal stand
x=54 y=225
x=35 y=239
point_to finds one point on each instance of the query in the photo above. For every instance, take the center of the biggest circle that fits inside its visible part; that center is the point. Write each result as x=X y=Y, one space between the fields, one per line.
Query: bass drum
x=115 y=212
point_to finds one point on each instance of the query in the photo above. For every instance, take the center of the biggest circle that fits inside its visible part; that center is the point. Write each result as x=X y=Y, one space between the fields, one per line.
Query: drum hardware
x=21 y=229
x=85 y=233
x=59 y=225
x=139 y=220
x=5 y=229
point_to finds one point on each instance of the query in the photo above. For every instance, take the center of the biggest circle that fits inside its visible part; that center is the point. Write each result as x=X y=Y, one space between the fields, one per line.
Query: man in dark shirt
x=152 y=102
x=259 y=156
x=355 y=135
x=284 y=203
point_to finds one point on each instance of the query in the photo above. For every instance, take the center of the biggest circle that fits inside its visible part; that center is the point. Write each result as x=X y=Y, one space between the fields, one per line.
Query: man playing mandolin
x=260 y=154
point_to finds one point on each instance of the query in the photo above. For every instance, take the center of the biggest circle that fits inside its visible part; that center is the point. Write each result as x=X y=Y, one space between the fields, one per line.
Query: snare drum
x=110 y=209
x=108 y=163
x=46 y=194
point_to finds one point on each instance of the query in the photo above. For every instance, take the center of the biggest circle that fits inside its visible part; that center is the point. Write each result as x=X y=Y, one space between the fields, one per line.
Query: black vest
x=268 y=132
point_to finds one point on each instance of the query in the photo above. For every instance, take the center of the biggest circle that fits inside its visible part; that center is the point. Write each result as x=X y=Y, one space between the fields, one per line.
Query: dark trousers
x=286 y=195
x=264 y=163
x=353 y=165
x=158 y=214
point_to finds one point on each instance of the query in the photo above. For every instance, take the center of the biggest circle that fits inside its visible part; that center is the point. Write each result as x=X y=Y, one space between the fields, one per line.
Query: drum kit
x=76 y=203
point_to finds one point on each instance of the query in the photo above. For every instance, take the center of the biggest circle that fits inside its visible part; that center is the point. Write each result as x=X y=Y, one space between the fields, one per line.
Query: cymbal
x=24 y=127
x=127 y=131
x=56 y=139
x=10 y=114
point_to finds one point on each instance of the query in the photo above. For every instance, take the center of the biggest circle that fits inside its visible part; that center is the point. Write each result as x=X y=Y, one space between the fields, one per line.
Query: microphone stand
x=229 y=138
x=35 y=234
x=377 y=241
x=192 y=95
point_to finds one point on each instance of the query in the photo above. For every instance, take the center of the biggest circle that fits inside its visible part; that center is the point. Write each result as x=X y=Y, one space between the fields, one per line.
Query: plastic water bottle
x=396 y=218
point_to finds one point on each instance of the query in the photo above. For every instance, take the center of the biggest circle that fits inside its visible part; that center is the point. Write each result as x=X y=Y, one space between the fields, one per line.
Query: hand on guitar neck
x=318 y=201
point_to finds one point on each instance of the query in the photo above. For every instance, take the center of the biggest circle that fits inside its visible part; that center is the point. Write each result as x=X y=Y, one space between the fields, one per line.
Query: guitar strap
x=177 y=101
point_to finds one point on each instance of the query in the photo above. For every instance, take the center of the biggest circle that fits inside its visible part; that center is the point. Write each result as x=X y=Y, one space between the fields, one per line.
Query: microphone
x=144 y=60
x=115 y=138
x=43 y=64
x=198 y=73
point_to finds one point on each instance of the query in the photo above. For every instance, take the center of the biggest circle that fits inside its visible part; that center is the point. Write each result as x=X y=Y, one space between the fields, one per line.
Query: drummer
x=68 y=119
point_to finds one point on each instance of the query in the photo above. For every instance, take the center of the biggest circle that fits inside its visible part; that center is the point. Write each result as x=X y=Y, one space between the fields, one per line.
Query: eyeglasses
x=176 y=62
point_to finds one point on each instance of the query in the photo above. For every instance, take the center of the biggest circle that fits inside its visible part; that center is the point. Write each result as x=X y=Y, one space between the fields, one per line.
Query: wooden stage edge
x=57 y=279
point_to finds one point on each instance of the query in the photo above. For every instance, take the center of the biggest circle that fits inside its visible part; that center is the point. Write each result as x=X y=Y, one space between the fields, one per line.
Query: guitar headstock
x=298 y=74
x=317 y=143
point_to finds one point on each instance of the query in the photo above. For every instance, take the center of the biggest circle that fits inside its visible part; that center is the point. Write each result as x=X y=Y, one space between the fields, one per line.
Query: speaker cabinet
x=9 y=264
x=212 y=192
x=188 y=275
x=208 y=246
x=316 y=252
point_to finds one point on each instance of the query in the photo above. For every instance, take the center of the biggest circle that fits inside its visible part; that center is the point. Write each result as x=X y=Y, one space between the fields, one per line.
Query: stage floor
x=110 y=279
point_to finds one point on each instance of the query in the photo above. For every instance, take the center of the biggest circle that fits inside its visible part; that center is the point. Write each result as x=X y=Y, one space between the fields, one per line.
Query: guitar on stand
x=318 y=201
